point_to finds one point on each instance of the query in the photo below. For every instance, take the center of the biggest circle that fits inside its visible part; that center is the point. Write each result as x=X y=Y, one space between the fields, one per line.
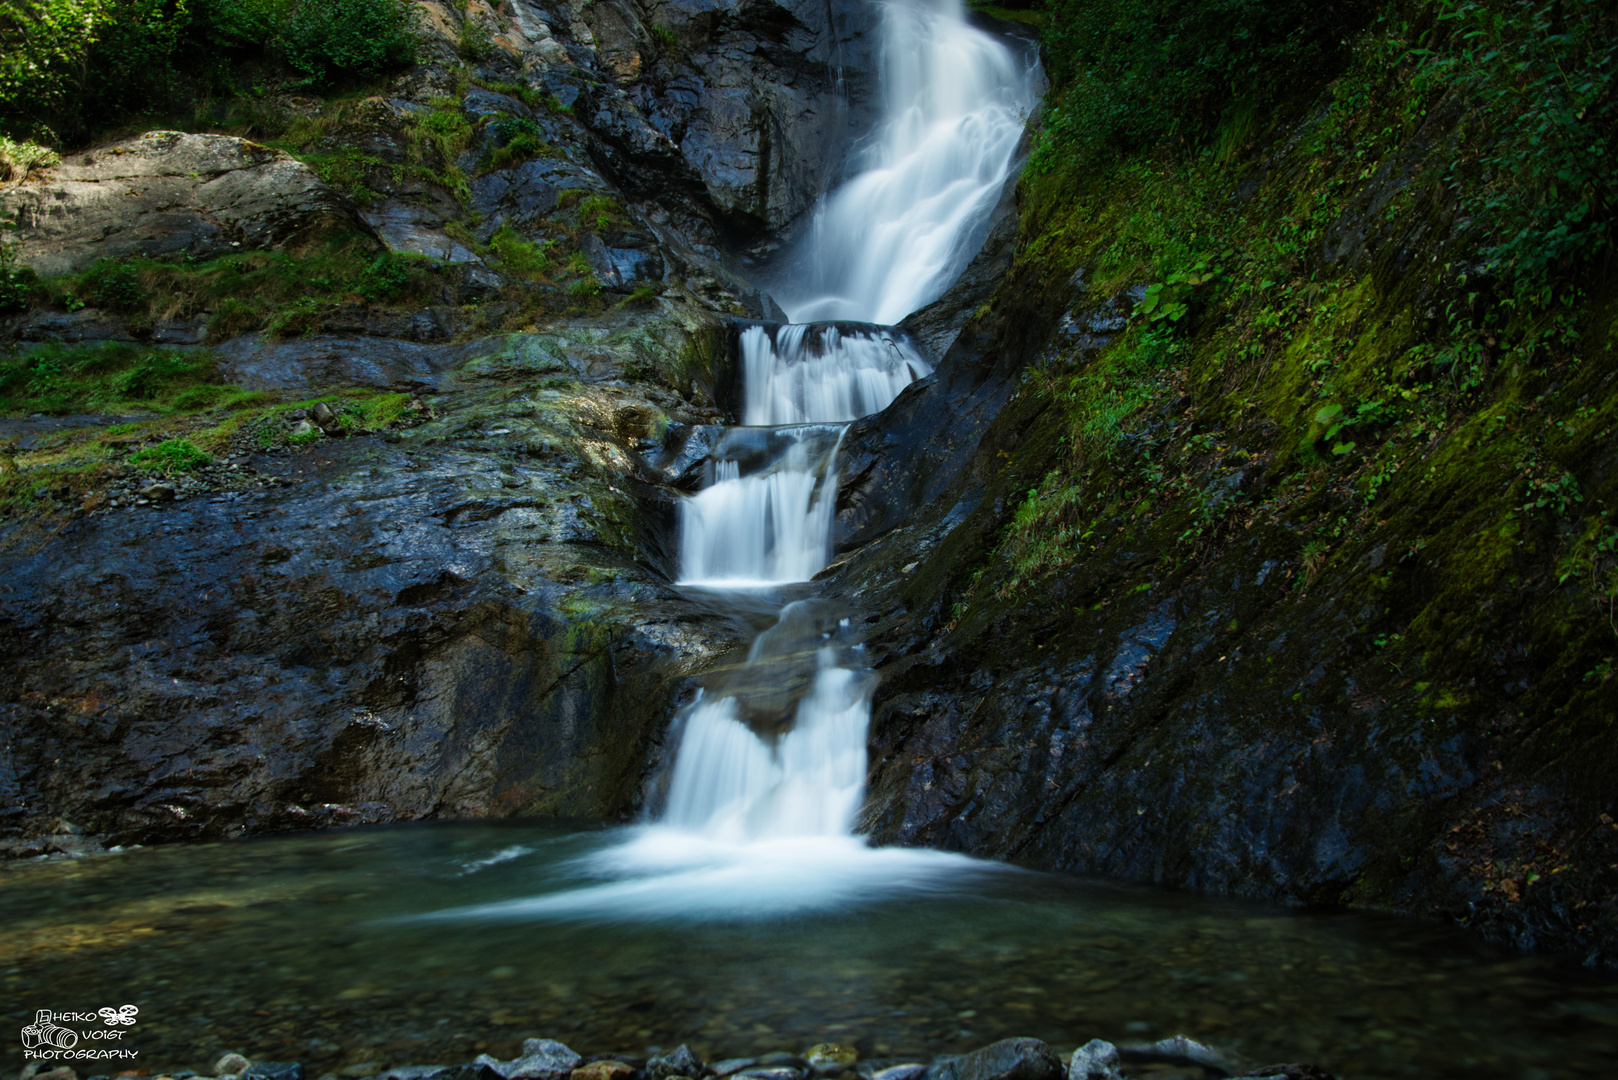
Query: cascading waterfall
x=768 y=522
x=815 y=373
x=770 y=768
x=894 y=238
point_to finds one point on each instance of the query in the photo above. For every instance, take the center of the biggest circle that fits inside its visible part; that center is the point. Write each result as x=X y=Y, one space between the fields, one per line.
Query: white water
x=892 y=240
x=822 y=374
x=768 y=528
x=755 y=825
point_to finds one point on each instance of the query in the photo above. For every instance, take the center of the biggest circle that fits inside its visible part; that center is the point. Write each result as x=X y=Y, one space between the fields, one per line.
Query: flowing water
x=894 y=238
x=747 y=918
x=432 y=943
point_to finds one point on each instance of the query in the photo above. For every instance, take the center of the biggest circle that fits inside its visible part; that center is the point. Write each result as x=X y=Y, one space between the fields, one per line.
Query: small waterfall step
x=799 y=373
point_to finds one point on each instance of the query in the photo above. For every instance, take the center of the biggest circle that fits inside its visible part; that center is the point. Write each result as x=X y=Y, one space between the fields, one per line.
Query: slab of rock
x=169 y=194
x=542 y=1059
x=1008 y=1059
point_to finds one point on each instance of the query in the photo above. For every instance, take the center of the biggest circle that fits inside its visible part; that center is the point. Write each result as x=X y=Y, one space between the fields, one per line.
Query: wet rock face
x=468 y=618
x=764 y=100
x=168 y=194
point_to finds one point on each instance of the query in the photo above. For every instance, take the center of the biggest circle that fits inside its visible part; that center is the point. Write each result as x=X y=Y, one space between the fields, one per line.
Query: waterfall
x=802 y=374
x=754 y=766
x=895 y=237
x=769 y=770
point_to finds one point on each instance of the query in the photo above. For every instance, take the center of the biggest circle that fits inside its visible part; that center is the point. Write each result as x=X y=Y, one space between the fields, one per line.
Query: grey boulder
x=169 y=194
x=1008 y=1059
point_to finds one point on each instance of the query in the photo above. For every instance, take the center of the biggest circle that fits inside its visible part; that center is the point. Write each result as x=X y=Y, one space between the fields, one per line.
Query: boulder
x=166 y=194
x=1095 y=1060
x=542 y=1059
x=677 y=1062
x=1008 y=1059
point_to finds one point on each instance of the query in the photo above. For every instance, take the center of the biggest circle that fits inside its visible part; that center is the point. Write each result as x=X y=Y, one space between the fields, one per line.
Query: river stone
x=1095 y=1060
x=910 y=1070
x=1181 y=1050
x=677 y=1062
x=728 y=1066
x=274 y=1070
x=1008 y=1059
x=166 y=194
x=231 y=1065
x=771 y=1072
x=829 y=1059
x=603 y=1070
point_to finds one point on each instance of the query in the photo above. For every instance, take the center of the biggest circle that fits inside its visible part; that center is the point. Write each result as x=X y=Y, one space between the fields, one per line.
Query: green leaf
x=1327 y=414
x=1343 y=448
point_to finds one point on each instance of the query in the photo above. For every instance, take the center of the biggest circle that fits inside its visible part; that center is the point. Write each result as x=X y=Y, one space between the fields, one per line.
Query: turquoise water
x=315 y=948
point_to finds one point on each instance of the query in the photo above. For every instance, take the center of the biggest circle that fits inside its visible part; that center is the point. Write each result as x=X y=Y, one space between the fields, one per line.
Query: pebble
x=830 y=1059
x=231 y=1065
x=604 y=1070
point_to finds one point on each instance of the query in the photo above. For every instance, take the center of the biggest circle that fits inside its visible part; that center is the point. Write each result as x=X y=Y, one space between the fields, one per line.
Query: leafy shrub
x=601 y=212
x=332 y=40
x=46 y=43
x=1133 y=74
x=384 y=279
x=84 y=63
x=112 y=285
x=18 y=158
x=1547 y=74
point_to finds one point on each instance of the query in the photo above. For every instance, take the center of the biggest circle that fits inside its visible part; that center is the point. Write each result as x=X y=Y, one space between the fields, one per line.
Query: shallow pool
x=431 y=943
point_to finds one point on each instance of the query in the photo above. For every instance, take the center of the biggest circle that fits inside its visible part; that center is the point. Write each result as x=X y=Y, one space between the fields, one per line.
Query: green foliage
x=18 y=158
x=337 y=40
x=520 y=140
x=175 y=455
x=84 y=64
x=666 y=40
x=60 y=380
x=16 y=282
x=112 y=285
x=520 y=257
x=1547 y=75
x=386 y=278
x=346 y=170
x=1171 y=298
x=46 y=43
x=601 y=212
x=472 y=41
x=252 y=290
x=1133 y=74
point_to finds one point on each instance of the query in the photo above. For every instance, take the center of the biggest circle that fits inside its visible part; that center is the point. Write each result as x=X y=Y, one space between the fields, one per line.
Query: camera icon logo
x=42 y=1032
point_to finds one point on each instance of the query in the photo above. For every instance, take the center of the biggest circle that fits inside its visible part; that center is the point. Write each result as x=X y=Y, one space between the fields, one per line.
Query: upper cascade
x=823 y=373
x=891 y=240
